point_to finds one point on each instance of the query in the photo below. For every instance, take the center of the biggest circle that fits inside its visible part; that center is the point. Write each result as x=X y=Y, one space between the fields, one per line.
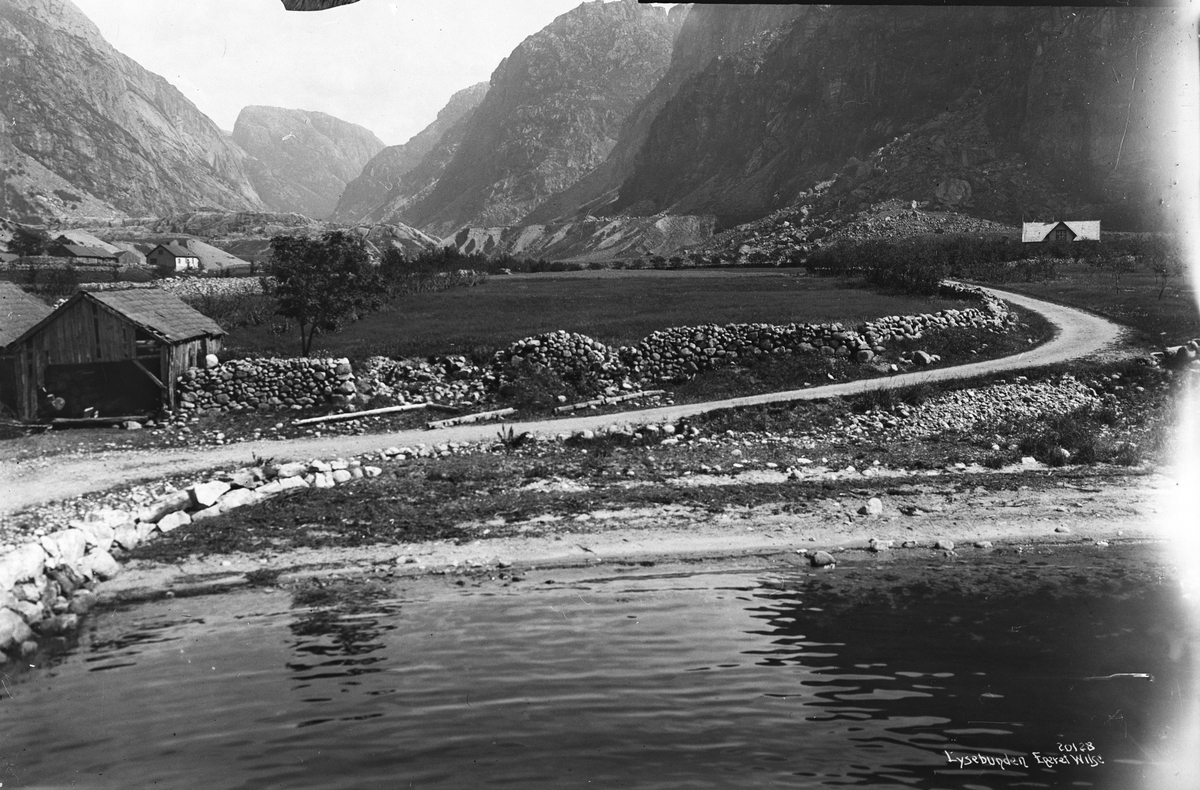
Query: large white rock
x=273 y=487
x=294 y=469
x=126 y=537
x=205 y=495
x=24 y=562
x=100 y=564
x=292 y=482
x=13 y=630
x=238 y=497
x=173 y=521
x=206 y=513
x=172 y=502
x=342 y=476
x=65 y=547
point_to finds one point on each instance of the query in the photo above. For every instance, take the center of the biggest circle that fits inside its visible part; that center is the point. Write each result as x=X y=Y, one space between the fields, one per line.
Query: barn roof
x=1088 y=229
x=159 y=312
x=80 y=251
x=18 y=312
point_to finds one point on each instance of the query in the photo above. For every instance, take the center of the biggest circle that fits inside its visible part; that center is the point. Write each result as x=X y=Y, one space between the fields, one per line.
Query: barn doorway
x=113 y=389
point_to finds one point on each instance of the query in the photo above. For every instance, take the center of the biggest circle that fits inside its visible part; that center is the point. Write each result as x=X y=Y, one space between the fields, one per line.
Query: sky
x=387 y=65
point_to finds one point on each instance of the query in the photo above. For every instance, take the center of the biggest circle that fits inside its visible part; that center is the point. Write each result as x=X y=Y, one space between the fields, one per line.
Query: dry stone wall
x=679 y=353
x=47 y=585
x=267 y=384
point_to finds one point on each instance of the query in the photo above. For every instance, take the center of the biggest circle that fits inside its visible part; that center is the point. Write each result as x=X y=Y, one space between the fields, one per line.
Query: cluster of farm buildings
x=163 y=256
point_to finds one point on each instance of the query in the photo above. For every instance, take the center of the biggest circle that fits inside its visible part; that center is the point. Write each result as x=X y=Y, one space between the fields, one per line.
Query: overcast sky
x=388 y=65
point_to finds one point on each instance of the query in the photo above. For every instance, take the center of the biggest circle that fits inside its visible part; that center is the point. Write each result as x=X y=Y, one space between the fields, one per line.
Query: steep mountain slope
x=382 y=175
x=1067 y=95
x=89 y=131
x=302 y=160
x=588 y=238
x=708 y=32
x=552 y=114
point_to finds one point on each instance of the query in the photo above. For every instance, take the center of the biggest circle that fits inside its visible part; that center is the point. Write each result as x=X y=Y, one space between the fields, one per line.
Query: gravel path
x=37 y=481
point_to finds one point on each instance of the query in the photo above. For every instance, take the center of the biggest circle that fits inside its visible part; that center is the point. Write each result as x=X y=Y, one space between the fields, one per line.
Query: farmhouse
x=172 y=258
x=18 y=312
x=1064 y=232
x=115 y=352
x=81 y=254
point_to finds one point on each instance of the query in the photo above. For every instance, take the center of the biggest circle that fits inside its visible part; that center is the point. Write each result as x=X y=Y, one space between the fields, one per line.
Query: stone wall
x=679 y=353
x=46 y=584
x=267 y=384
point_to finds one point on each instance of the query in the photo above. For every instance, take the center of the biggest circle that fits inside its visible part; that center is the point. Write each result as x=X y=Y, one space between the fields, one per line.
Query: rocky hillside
x=1002 y=112
x=379 y=188
x=87 y=131
x=588 y=238
x=301 y=161
x=552 y=114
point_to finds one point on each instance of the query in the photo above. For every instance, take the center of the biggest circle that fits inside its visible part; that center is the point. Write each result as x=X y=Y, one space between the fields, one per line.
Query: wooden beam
x=354 y=415
x=467 y=418
x=153 y=377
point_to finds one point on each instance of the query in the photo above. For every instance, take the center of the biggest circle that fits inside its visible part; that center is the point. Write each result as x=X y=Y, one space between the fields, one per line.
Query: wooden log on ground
x=354 y=415
x=608 y=399
x=93 y=422
x=469 y=418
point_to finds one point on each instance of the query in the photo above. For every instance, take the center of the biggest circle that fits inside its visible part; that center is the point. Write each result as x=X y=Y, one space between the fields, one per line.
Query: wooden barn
x=1060 y=232
x=18 y=312
x=109 y=354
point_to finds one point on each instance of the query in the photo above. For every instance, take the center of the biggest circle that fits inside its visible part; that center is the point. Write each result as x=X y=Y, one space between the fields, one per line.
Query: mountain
x=552 y=114
x=300 y=160
x=588 y=238
x=380 y=179
x=1005 y=112
x=89 y=132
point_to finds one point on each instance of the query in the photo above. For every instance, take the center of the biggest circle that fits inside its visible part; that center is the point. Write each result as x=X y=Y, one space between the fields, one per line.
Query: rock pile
x=266 y=384
x=570 y=355
x=46 y=584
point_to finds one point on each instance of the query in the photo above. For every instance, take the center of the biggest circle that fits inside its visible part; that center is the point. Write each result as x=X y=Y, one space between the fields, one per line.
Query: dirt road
x=31 y=482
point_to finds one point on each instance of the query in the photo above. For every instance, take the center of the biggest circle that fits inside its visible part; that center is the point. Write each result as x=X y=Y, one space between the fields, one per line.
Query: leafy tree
x=27 y=242
x=323 y=283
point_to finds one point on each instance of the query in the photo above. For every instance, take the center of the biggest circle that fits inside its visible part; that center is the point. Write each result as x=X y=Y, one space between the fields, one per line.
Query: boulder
x=21 y=564
x=287 y=483
x=294 y=469
x=822 y=559
x=342 y=476
x=238 y=497
x=944 y=545
x=205 y=495
x=101 y=564
x=65 y=547
x=13 y=630
x=172 y=502
x=173 y=521
x=126 y=537
x=206 y=513
x=874 y=507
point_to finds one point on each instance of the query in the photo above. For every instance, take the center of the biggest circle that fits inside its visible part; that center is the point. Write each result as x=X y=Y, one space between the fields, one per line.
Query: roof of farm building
x=80 y=251
x=1084 y=230
x=177 y=251
x=161 y=313
x=18 y=312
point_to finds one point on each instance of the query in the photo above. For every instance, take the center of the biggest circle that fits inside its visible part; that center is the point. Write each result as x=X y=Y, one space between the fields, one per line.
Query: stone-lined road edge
x=29 y=483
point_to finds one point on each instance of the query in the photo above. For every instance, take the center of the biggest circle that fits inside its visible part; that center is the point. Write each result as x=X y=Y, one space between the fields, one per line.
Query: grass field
x=615 y=307
x=1133 y=301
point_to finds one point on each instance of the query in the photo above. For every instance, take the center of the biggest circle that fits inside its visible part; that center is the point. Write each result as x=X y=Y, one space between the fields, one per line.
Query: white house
x=171 y=258
x=1067 y=231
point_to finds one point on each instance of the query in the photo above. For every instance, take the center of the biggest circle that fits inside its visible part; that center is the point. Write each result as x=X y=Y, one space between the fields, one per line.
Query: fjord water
x=738 y=678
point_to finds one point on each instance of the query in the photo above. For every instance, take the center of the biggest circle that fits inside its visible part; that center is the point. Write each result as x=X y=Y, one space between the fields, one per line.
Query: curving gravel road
x=27 y=483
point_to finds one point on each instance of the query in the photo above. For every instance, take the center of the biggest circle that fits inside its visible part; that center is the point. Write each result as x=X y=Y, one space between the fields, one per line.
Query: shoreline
x=977 y=522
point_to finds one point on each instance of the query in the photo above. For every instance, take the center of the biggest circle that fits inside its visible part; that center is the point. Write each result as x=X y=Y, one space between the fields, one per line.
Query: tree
x=28 y=242
x=323 y=283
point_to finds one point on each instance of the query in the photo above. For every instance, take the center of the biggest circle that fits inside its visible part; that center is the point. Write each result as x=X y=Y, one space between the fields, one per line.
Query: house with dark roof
x=173 y=259
x=111 y=353
x=78 y=253
x=1060 y=232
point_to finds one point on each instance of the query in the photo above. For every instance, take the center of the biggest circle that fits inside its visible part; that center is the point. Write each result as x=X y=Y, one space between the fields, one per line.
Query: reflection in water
x=720 y=680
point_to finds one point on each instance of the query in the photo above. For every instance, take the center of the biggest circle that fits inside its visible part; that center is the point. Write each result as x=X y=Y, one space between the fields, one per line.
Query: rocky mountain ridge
x=87 y=131
x=302 y=160
x=551 y=115
x=381 y=189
